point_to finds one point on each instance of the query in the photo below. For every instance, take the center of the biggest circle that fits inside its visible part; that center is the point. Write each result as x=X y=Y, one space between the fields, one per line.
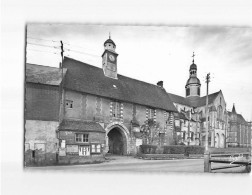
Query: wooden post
x=207 y=81
x=207 y=163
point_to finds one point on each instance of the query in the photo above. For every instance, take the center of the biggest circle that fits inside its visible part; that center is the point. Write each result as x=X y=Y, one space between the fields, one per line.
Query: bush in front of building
x=148 y=149
x=175 y=149
x=194 y=150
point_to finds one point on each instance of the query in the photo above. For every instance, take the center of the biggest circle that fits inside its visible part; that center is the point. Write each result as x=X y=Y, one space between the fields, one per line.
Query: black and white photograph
x=126 y=97
x=137 y=98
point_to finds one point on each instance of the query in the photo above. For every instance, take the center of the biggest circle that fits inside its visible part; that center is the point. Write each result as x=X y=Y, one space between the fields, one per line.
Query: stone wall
x=41 y=142
x=94 y=108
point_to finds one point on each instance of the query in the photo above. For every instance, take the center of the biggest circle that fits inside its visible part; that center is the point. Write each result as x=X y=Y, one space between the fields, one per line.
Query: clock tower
x=109 y=59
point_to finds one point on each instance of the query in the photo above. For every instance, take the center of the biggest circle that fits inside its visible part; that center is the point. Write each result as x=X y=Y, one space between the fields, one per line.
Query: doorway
x=116 y=142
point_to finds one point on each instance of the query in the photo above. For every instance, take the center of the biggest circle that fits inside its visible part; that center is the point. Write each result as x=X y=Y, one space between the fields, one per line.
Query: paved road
x=133 y=165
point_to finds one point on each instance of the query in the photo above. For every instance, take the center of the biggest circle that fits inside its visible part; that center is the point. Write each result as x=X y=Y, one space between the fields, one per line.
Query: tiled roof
x=90 y=79
x=179 y=99
x=198 y=102
x=74 y=125
x=183 y=116
x=240 y=118
x=43 y=74
x=202 y=100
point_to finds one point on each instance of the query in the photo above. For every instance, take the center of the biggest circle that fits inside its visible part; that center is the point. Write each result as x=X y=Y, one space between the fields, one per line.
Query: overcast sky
x=154 y=53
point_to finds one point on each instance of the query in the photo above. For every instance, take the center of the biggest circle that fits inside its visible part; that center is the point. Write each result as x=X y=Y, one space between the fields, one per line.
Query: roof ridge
x=211 y=94
x=90 y=65
x=174 y=94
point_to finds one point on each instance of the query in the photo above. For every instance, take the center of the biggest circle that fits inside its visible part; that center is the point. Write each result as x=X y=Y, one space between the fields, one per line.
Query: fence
x=232 y=160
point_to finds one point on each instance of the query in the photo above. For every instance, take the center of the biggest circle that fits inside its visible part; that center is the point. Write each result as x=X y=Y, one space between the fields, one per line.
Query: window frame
x=70 y=102
x=83 y=139
x=116 y=109
x=97 y=148
x=84 y=146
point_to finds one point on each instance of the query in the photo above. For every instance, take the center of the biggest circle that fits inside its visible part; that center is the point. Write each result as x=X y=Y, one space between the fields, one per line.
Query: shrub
x=148 y=149
x=194 y=150
x=176 y=149
x=180 y=149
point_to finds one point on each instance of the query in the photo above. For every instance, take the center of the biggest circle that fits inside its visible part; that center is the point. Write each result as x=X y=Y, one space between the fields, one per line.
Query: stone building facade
x=226 y=129
x=98 y=111
x=239 y=130
x=194 y=121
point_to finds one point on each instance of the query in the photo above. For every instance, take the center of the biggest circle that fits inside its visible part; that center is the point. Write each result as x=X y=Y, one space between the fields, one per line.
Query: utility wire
x=43 y=51
x=66 y=43
x=42 y=39
x=81 y=52
x=56 y=47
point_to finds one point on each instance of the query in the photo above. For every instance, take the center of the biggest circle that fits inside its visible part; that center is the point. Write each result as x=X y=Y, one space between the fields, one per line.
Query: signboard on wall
x=177 y=123
x=62 y=152
x=72 y=148
x=139 y=142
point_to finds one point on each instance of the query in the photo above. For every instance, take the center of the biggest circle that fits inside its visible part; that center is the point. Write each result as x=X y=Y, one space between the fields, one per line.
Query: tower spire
x=109 y=35
x=193 y=57
x=233 y=109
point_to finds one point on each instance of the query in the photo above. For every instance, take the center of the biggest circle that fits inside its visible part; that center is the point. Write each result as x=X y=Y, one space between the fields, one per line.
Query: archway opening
x=117 y=142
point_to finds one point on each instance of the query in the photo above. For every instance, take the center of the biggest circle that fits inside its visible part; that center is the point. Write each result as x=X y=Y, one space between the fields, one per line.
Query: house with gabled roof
x=42 y=114
x=98 y=110
x=239 y=130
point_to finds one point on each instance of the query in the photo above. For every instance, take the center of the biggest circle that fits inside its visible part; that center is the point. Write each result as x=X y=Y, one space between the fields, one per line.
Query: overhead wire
x=67 y=48
x=43 y=51
x=56 y=47
x=42 y=39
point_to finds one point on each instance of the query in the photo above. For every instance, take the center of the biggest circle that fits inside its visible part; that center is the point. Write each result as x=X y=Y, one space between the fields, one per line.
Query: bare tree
x=150 y=130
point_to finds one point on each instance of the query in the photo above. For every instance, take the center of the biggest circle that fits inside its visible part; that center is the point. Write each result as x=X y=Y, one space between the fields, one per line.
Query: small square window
x=78 y=138
x=96 y=148
x=69 y=104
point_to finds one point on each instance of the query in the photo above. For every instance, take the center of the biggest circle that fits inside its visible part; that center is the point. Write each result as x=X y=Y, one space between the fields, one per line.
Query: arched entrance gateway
x=117 y=139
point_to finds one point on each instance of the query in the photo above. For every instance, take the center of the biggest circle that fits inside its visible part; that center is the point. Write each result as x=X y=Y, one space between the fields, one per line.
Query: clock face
x=112 y=58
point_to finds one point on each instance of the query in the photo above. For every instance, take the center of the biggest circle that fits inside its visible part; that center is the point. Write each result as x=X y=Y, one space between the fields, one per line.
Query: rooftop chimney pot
x=160 y=83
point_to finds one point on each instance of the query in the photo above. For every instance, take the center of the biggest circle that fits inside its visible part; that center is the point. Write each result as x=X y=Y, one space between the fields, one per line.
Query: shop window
x=79 y=137
x=69 y=104
x=96 y=148
x=84 y=150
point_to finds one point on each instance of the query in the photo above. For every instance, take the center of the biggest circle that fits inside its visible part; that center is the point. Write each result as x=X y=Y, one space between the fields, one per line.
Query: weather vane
x=193 y=57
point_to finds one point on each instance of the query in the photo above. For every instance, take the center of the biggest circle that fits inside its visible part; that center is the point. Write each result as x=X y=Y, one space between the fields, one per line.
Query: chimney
x=160 y=83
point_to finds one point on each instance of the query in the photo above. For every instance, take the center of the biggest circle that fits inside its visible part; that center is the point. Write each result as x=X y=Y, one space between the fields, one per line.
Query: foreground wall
x=41 y=142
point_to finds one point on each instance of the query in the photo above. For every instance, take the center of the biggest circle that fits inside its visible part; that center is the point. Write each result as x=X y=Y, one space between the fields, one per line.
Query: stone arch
x=125 y=135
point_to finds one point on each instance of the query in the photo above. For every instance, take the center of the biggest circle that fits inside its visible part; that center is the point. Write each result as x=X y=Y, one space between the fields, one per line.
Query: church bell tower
x=193 y=83
x=109 y=59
